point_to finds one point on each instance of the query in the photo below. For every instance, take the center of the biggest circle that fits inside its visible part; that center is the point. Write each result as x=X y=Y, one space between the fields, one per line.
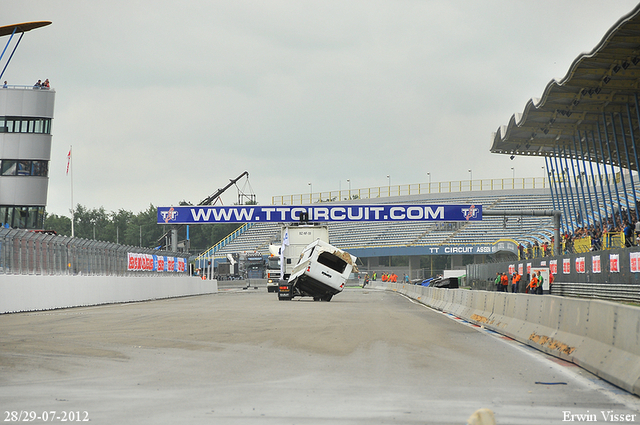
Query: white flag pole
x=70 y=166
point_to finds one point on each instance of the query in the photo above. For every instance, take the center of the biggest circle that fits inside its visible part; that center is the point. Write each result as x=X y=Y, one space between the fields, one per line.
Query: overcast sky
x=166 y=101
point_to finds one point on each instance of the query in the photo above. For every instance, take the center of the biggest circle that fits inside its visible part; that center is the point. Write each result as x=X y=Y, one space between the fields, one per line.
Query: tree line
x=127 y=228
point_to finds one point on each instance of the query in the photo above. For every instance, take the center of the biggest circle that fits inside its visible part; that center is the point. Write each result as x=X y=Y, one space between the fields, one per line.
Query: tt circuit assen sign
x=317 y=213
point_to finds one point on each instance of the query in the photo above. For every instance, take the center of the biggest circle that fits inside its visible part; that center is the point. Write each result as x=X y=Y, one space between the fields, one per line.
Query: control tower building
x=26 y=112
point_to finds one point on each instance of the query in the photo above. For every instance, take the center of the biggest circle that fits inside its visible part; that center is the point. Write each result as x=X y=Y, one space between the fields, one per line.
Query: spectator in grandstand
x=628 y=234
x=596 y=241
x=529 y=251
x=521 y=251
x=568 y=243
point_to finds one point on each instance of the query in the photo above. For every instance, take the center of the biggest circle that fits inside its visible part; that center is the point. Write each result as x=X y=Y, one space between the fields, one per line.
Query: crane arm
x=210 y=199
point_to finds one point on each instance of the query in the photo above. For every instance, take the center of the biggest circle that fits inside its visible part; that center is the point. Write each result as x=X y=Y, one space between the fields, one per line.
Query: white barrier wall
x=600 y=336
x=30 y=293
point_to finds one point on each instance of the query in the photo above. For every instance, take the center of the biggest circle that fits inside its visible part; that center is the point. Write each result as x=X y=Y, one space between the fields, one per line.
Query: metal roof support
x=12 y=52
x=551 y=183
x=577 y=212
x=556 y=181
x=624 y=185
x=613 y=171
x=7 y=45
x=626 y=151
x=584 y=215
x=581 y=174
x=604 y=198
x=633 y=143
x=593 y=179
x=565 y=204
x=606 y=176
x=557 y=217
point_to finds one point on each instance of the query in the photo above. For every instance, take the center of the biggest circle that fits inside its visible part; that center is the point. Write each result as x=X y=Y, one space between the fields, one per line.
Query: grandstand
x=384 y=238
x=380 y=239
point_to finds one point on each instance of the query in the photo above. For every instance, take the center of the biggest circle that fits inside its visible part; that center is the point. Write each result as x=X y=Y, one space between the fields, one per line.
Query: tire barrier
x=602 y=337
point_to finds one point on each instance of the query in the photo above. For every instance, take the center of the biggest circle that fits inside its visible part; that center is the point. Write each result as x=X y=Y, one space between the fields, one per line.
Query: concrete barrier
x=601 y=336
x=20 y=293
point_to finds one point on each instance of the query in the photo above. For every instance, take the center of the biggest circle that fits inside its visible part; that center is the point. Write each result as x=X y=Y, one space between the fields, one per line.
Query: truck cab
x=273 y=268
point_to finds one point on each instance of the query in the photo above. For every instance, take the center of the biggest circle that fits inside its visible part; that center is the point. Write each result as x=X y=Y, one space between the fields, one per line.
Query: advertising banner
x=614 y=263
x=148 y=263
x=580 y=265
x=596 y=265
x=634 y=259
x=317 y=213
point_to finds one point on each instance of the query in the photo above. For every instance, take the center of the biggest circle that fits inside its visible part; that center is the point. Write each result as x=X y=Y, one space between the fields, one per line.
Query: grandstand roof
x=23 y=27
x=599 y=86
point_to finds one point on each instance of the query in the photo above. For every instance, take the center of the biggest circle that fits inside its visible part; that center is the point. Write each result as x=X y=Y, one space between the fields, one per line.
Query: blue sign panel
x=317 y=213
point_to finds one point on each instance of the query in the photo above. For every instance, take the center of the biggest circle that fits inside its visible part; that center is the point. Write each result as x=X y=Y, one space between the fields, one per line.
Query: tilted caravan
x=320 y=273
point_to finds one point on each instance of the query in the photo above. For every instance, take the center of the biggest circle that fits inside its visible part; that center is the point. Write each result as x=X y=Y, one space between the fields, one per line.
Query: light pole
x=349 y=181
x=310 y=192
x=429 y=175
x=513 y=173
x=389 y=181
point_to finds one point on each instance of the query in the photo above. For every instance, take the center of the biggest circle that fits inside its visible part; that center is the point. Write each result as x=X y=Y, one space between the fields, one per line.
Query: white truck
x=320 y=273
x=284 y=255
x=295 y=237
x=273 y=268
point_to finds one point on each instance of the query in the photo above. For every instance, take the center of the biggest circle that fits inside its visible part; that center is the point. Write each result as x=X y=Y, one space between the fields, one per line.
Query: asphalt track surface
x=243 y=357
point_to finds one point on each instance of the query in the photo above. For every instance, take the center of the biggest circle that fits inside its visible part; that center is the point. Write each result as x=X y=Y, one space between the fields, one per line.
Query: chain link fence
x=34 y=253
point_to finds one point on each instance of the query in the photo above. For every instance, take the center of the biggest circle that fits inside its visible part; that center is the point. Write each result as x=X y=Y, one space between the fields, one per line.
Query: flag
x=68 y=160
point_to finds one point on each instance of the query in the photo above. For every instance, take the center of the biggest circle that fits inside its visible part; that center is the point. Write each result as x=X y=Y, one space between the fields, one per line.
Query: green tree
x=59 y=223
x=139 y=229
x=143 y=229
x=119 y=223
